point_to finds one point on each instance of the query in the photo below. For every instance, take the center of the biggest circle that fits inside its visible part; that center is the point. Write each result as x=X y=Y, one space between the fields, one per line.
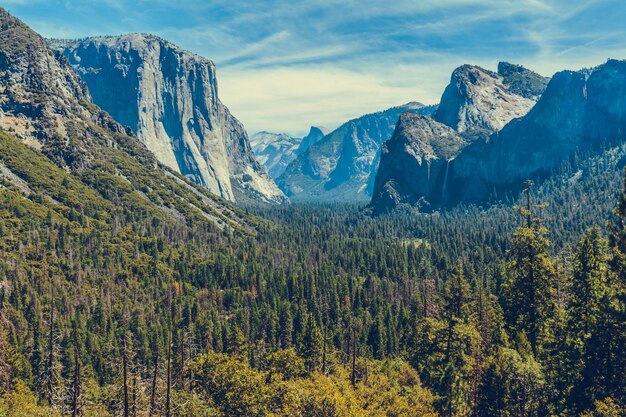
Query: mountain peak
x=479 y=99
x=522 y=81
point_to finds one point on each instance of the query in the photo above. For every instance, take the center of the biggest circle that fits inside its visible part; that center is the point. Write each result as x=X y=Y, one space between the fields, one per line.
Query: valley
x=463 y=258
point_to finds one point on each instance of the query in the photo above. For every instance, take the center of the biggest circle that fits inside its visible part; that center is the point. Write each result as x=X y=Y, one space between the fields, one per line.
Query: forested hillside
x=111 y=309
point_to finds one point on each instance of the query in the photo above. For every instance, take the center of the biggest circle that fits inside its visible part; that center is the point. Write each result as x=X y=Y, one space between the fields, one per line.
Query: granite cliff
x=419 y=163
x=169 y=98
x=44 y=104
x=341 y=166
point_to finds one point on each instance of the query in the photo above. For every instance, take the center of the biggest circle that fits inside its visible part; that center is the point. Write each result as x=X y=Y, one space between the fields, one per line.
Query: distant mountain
x=169 y=98
x=275 y=151
x=341 y=166
x=315 y=135
x=100 y=170
x=418 y=164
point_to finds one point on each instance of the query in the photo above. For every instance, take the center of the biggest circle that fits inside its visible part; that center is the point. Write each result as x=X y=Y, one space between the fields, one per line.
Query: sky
x=284 y=65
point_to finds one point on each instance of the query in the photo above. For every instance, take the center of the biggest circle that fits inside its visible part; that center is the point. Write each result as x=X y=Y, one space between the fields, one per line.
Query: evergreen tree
x=528 y=287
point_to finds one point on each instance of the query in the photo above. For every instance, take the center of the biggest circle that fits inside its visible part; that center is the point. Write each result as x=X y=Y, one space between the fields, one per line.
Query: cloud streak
x=284 y=65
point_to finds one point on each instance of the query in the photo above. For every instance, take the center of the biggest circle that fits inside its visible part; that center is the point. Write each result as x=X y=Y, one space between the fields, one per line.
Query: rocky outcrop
x=522 y=81
x=275 y=151
x=476 y=104
x=478 y=99
x=580 y=112
x=315 y=135
x=342 y=165
x=422 y=148
x=169 y=98
x=39 y=95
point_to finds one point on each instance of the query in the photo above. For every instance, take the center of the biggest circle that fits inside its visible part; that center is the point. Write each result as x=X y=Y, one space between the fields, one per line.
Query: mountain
x=476 y=103
x=275 y=151
x=578 y=114
x=522 y=81
x=341 y=166
x=315 y=135
x=478 y=99
x=47 y=107
x=169 y=98
x=422 y=147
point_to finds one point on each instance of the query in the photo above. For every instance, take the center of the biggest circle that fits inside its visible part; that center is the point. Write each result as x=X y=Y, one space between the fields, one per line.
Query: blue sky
x=286 y=65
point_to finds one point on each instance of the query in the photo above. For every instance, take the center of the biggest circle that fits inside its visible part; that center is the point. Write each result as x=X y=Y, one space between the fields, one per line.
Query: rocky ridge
x=44 y=104
x=417 y=164
x=341 y=166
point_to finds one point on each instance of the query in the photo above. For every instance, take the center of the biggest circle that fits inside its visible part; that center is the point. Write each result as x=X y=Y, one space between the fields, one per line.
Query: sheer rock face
x=480 y=99
x=45 y=104
x=422 y=148
x=342 y=165
x=315 y=135
x=275 y=151
x=579 y=112
x=169 y=98
x=475 y=105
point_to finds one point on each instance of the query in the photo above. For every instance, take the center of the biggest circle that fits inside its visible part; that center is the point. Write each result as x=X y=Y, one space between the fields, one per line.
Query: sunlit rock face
x=275 y=151
x=579 y=112
x=169 y=98
x=423 y=164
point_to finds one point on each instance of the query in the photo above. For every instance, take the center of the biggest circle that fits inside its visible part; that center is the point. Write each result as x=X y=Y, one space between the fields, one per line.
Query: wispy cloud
x=284 y=65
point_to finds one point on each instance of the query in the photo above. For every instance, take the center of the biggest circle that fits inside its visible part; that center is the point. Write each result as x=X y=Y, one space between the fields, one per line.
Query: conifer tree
x=528 y=288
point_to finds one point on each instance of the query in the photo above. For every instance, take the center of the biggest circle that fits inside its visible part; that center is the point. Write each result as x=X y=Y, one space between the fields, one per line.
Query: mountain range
x=341 y=166
x=69 y=155
x=580 y=112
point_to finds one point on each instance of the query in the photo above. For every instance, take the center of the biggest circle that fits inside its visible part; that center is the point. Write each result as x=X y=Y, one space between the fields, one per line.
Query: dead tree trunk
x=50 y=361
x=154 y=383
x=169 y=377
x=76 y=399
x=125 y=370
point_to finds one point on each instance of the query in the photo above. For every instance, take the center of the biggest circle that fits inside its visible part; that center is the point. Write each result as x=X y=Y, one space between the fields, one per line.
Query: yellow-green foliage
x=385 y=388
x=21 y=402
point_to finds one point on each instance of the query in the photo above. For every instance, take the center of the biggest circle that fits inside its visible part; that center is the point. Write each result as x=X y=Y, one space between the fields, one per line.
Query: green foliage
x=98 y=264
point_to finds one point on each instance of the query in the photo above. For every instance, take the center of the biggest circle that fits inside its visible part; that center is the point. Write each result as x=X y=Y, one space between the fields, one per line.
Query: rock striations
x=417 y=165
x=341 y=166
x=477 y=99
x=579 y=112
x=169 y=98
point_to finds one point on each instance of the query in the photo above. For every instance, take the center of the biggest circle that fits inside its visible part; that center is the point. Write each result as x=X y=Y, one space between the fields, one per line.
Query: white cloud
x=290 y=99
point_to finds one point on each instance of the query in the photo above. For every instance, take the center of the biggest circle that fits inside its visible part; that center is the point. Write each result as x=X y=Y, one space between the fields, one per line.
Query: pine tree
x=528 y=288
x=312 y=346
